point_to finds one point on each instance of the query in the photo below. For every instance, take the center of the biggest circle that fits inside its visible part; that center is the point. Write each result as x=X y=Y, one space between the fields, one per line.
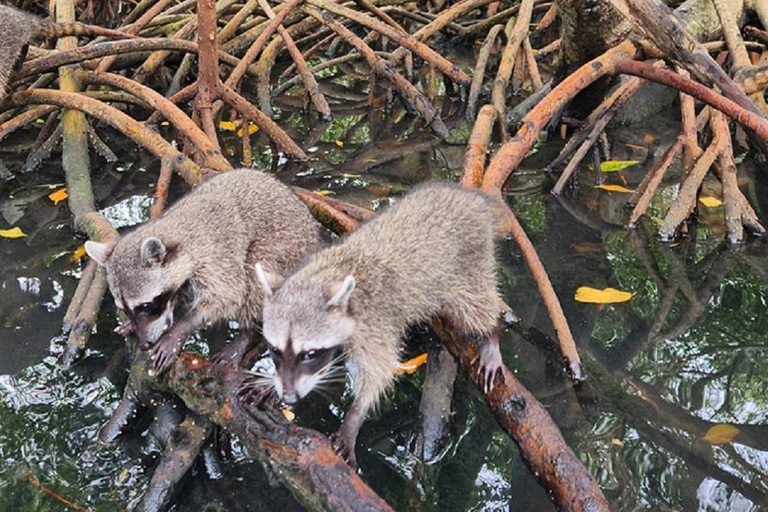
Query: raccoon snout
x=291 y=398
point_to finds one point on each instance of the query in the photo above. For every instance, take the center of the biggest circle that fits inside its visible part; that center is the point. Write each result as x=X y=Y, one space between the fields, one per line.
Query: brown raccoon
x=18 y=28
x=430 y=254
x=194 y=265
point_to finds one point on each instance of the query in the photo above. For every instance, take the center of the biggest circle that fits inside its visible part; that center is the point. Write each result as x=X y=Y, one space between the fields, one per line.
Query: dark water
x=673 y=416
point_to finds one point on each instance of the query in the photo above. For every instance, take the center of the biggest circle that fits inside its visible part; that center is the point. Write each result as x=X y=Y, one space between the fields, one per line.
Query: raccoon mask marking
x=142 y=288
x=306 y=337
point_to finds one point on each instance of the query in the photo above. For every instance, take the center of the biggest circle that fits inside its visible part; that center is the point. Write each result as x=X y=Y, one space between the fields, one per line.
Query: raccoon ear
x=341 y=298
x=269 y=281
x=98 y=252
x=152 y=251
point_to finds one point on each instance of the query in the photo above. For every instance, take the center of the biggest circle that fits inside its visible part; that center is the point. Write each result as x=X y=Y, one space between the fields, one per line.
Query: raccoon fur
x=18 y=28
x=193 y=265
x=430 y=254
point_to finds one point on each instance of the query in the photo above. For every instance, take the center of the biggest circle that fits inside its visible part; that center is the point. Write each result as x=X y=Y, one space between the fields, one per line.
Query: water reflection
x=672 y=418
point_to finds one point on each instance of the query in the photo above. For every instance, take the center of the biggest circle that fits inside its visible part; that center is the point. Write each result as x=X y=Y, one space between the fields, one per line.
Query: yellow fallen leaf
x=411 y=365
x=12 y=233
x=228 y=126
x=289 y=414
x=58 y=196
x=78 y=253
x=617 y=165
x=165 y=123
x=721 y=433
x=325 y=192
x=710 y=202
x=340 y=143
x=614 y=188
x=604 y=296
x=617 y=442
x=252 y=128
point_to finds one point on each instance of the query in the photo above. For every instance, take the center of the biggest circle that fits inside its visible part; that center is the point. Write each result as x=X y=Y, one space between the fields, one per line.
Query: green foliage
x=337 y=129
x=531 y=210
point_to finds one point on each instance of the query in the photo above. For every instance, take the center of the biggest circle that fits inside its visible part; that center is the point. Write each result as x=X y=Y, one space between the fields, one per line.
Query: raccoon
x=18 y=28
x=194 y=264
x=430 y=254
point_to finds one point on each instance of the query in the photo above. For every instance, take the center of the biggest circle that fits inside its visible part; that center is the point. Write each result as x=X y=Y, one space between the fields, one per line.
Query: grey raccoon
x=194 y=264
x=430 y=254
x=18 y=28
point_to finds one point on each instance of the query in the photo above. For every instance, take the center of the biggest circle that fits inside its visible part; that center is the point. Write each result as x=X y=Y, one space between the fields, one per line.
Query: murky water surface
x=674 y=416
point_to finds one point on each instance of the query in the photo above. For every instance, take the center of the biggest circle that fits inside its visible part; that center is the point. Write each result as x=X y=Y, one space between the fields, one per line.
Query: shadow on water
x=672 y=418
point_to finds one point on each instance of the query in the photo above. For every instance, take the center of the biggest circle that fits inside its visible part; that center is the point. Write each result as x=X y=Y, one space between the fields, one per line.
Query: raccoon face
x=146 y=285
x=307 y=328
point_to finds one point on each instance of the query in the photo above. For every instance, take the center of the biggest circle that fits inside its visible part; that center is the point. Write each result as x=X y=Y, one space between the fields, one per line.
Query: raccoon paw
x=125 y=329
x=344 y=447
x=490 y=364
x=162 y=356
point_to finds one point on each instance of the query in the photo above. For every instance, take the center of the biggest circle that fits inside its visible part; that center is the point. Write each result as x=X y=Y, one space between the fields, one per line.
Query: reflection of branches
x=660 y=422
x=642 y=336
x=735 y=363
x=717 y=272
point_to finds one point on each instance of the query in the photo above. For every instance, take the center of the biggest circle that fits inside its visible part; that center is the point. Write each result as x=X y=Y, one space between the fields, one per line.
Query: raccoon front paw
x=345 y=447
x=162 y=356
x=125 y=329
x=489 y=363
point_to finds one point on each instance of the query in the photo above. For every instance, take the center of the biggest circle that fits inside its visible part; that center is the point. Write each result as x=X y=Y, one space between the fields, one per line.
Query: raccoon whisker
x=334 y=369
x=338 y=359
x=332 y=376
x=261 y=374
x=259 y=384
x=329 y=382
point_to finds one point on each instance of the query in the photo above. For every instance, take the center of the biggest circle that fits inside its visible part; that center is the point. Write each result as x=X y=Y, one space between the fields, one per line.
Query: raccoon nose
x=291 y=398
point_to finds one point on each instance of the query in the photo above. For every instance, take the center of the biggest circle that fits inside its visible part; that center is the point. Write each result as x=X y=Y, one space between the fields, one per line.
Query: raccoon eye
x=274 y=353
x=155 y=307
x=148 y=309
x=311 y=355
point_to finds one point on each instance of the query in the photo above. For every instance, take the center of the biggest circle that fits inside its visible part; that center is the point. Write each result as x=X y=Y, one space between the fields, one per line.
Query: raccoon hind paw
x=490 y=364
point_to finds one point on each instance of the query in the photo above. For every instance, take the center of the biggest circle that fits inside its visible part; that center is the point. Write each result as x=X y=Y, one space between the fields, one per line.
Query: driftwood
x=302 y=459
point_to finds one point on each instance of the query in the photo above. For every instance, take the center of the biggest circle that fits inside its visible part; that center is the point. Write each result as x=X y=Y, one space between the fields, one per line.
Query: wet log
x=302 y=459
x=549 y=458
x=436 y=402
x=184 y=444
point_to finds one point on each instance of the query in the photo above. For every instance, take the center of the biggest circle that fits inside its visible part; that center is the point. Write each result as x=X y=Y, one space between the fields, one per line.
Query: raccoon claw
x=343 y=447
x=490 y=364
x=125 y=329
x=161 y=358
